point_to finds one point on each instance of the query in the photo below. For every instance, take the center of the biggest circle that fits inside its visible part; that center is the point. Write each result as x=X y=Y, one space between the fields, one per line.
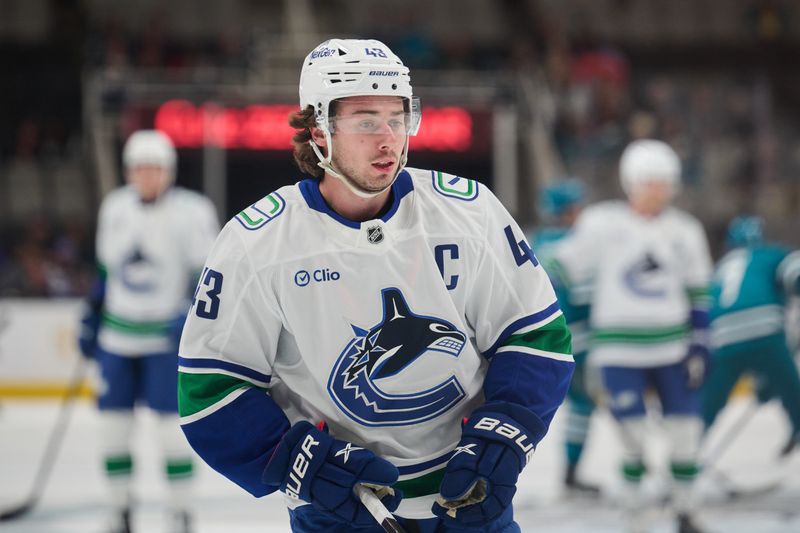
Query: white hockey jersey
x=383 y=329
x=151 y=254
x=647 y=273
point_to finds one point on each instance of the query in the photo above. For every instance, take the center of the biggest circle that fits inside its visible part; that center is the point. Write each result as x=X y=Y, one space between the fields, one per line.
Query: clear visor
x=374 y=121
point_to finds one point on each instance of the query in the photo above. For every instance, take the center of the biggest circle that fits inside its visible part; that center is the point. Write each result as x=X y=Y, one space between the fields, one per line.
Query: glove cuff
x=511 y=424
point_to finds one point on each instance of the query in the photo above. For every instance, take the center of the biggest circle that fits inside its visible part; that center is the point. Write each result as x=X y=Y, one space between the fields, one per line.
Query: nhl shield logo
x=375 y=234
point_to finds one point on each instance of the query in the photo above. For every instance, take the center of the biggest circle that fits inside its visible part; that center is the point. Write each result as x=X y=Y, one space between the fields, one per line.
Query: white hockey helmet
x=149 y=147
x=341 y=68
x=648 y=160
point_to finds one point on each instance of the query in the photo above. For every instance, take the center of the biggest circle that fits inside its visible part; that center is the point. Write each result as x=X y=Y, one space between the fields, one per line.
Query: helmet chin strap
x=326 y=165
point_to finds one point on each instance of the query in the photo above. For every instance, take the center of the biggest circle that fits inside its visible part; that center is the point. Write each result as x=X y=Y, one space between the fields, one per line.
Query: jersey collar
x=309 y=188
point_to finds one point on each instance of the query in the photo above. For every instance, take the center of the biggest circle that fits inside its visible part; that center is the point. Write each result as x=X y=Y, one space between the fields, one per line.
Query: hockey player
x=152 y=241
x=650 y=266
x=560 y=205
x=375 y=325
x=750 y=287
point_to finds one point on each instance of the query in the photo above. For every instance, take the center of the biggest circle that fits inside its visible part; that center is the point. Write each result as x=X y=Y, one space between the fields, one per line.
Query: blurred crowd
x=732 y=119
x=38 y=259
x=733 y=152
x=727 y=113
x=112 y=47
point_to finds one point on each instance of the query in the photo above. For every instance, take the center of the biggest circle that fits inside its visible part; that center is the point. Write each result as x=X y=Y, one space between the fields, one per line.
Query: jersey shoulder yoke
x=259 y=214
x=448 y=185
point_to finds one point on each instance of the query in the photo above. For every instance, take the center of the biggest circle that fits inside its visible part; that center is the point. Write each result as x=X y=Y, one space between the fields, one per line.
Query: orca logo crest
x=645 y=277
x=138 y=272
x=400 y=338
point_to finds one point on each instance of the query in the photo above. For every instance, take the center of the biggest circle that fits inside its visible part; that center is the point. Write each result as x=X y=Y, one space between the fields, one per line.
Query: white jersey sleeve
x=246 y=310
x=518 y=323
x=227 y=348
x=507 y=264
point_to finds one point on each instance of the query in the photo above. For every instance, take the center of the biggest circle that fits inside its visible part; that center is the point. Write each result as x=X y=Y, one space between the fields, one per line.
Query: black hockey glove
x=312 y=466
x=480 y=480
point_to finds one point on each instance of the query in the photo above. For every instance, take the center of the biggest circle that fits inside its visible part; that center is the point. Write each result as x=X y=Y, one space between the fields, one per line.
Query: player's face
x=651 y=197
x=149 y=180
x=368 y=135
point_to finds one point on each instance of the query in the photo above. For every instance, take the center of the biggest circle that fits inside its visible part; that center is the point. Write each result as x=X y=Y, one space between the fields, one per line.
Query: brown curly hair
x=304 y=156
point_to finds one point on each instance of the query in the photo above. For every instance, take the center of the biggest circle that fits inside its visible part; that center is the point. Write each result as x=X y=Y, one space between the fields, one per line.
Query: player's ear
x=319 y=137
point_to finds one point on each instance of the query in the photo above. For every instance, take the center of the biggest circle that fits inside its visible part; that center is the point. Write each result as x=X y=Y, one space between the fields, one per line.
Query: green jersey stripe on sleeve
x=699 y=296
x=554 y=337
x=197 y=392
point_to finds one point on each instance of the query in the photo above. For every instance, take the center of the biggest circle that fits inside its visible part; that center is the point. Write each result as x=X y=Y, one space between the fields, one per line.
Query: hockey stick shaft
x=724 y=443
x=53 y=445
x=381 y=514
x=736 y=491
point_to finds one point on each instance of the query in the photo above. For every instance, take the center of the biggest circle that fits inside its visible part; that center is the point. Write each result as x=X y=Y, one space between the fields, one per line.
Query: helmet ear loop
x=325 y=163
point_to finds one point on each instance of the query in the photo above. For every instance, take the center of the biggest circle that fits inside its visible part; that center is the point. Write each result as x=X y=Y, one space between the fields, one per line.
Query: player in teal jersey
x=750 y=287
x=560 y=204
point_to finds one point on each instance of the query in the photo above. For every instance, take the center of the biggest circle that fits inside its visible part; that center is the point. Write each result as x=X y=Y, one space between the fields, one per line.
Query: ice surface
x=74 y=499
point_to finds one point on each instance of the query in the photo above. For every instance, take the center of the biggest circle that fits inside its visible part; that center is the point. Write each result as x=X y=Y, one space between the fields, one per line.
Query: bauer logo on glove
x=300 y=467
x=508 y=431
x=312 y=466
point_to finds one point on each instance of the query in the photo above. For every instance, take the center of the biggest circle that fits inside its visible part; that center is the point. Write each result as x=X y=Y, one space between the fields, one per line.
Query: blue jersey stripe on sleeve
x=224 y=365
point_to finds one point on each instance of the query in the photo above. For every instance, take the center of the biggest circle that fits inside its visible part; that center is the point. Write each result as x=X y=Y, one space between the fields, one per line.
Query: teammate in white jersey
x=650 y=266
x=152 y=241
x=376 y=324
